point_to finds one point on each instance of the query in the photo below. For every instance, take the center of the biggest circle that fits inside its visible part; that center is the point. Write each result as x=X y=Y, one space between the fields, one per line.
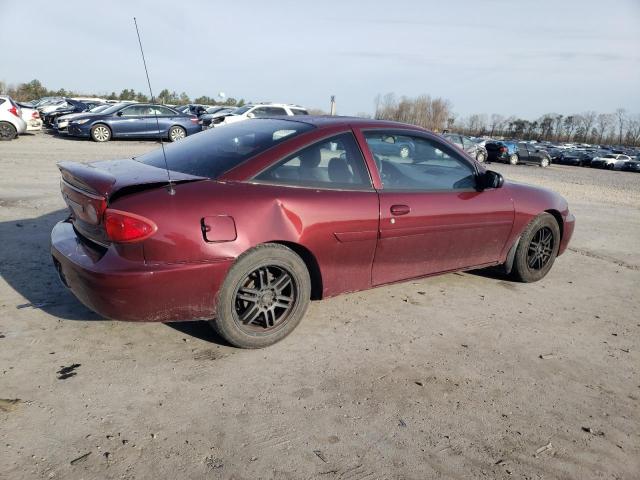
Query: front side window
x=334 y=163
x=468 y=143
x=415 y=163
x=135 y=111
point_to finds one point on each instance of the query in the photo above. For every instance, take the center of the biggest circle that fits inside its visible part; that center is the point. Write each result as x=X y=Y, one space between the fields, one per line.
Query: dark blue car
x=137 y=120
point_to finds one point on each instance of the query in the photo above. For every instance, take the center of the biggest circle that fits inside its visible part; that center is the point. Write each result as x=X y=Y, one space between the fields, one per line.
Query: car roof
x=326 y=121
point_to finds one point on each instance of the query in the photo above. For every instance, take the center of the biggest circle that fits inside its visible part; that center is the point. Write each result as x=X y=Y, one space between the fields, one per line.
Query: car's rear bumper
x=568 y=225
x=122 y=289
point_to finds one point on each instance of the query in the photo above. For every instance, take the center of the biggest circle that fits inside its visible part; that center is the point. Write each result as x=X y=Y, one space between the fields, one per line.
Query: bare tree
x=621 y=116
x=603 y=123
x=587 y=120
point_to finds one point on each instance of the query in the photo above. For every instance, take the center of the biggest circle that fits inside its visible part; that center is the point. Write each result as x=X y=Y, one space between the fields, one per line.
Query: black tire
x=513 y=159
x=534 y=257
x=246 y=293
x=7 y=131
x=100 y=133
x=610 y=166
x=177 y=133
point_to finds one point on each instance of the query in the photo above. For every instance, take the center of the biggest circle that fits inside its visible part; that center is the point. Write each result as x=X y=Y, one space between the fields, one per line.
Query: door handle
x=400 y=209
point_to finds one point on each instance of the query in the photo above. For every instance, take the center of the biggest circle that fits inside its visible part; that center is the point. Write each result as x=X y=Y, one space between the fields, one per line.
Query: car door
x=163 y=118
x=523 y=152
x=326 y=191
x=432 y=218
x=470 y=146
x=131 y=121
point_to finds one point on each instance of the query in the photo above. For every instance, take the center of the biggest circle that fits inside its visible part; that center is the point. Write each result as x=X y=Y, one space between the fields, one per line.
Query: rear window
x=216 y=151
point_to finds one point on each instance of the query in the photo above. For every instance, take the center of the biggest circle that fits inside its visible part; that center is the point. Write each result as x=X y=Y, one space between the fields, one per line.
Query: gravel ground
x=459 y=376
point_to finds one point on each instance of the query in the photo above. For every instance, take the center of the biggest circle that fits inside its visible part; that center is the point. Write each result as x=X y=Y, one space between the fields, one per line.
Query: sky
x=514 y=57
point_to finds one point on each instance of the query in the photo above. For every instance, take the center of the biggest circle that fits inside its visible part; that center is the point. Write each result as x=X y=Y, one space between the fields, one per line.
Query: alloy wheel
x=264 y=299
x=7 y=131
x=540 y=249
x=404 y=152
x=100 y=133
x=177 y=134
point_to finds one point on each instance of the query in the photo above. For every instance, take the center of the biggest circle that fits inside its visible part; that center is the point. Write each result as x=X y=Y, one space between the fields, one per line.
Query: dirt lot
x=459 y=376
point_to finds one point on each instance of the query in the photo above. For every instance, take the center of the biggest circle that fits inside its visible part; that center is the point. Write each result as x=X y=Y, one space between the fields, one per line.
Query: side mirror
x=119 y=114
x=251 y=115
x=490 y=179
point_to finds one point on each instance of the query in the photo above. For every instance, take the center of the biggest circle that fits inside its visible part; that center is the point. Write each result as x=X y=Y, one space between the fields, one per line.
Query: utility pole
x=333 y=105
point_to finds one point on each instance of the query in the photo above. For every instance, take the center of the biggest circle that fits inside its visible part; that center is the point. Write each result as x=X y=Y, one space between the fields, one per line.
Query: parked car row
x=546 y=153
x=100 y=121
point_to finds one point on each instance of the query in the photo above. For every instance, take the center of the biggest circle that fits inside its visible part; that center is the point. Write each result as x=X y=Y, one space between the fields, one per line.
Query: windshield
x=609 y=156
x=113 y=108
x=241 y=110
x=216 y=151
x=99 y=108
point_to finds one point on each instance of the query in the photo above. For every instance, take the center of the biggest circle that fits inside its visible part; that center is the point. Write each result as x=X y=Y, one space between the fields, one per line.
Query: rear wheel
x=100 y=133
x=263 y=298
x=481 y=157
x=513 y=159
x=544 y=162
x=7 y=131
x=537 y=249
x=405 y=151
x=610 y=166
x=177 y=133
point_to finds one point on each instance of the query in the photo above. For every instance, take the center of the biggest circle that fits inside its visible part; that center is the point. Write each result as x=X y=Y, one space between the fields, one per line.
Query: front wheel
x=100 y=133
x=544 y=162
x=177 y=133
x=7 y=131
x=513 y=159
x=537 y=249
x=263 y=298
x=405 y=151
x=481 y=157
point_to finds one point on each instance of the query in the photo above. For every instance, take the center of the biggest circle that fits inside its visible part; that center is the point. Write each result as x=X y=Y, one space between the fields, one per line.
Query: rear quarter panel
x=338 y=227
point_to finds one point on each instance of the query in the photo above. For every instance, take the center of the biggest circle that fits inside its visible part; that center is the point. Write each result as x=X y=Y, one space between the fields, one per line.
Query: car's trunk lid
x=88 y=189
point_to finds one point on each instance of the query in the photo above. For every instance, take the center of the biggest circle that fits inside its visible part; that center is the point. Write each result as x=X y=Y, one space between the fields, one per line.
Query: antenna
x=170 y=188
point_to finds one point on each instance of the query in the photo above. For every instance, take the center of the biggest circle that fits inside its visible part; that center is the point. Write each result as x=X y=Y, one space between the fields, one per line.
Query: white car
x=610 y=161
x=11 y=123
x=258 y=110
x=31 y=116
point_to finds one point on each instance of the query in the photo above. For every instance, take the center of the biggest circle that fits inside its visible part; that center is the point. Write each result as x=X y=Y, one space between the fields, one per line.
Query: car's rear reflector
x=125 y=227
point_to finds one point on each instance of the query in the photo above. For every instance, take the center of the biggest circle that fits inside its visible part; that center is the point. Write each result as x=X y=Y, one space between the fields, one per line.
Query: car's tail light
x=194 y=120
x=35 y=114
x=14 y=110
x=503 y=149
x=125 y=227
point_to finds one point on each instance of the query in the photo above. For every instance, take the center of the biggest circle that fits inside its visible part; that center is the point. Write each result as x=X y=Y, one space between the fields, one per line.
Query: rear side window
x=299 y=111
x=333 y=163
x=216 y=151
x=2 y=100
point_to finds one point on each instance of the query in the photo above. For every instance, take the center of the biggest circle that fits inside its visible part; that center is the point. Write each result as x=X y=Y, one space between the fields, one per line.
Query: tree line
x=436 y=114
x=34 y=89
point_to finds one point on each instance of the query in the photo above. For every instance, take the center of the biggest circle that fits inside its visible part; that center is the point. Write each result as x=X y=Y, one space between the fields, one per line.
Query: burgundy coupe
x=243 y=225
